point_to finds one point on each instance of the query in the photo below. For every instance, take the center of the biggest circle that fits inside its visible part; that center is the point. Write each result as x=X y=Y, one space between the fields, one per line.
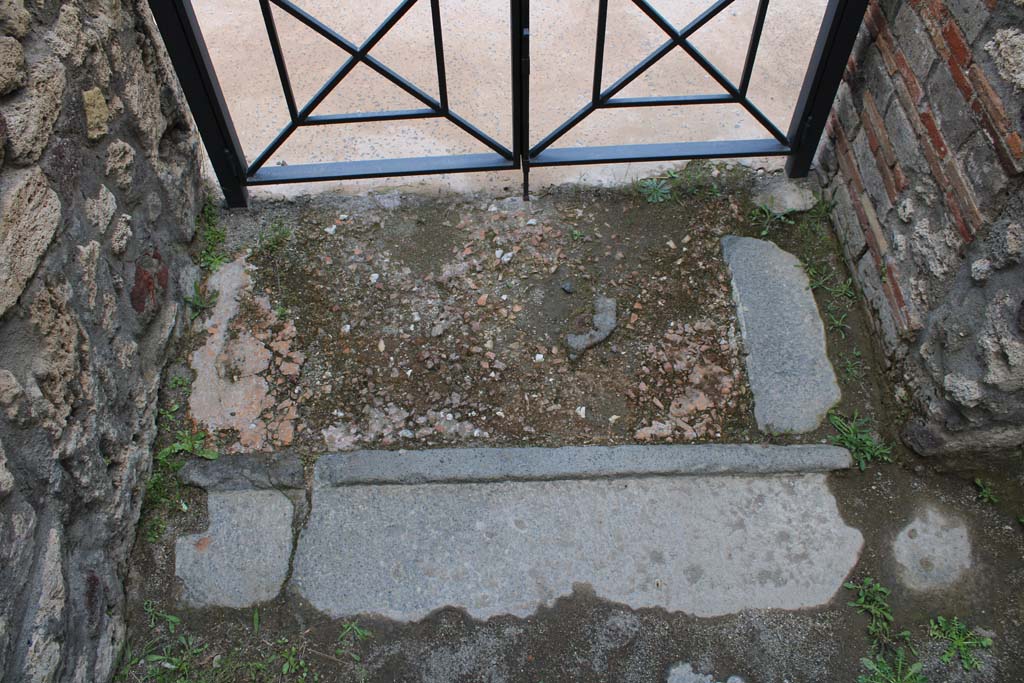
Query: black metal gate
x=177 y=23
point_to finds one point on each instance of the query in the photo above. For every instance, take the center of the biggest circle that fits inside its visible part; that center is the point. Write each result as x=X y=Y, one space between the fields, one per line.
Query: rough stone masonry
x=924 y=159
x=98 y=182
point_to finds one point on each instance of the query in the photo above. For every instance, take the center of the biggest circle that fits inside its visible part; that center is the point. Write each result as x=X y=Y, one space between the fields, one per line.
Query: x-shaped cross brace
x=677 y=38
x=360 y=55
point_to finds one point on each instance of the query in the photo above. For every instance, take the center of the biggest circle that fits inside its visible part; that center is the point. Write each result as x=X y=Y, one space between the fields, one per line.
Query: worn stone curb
x=465 y=465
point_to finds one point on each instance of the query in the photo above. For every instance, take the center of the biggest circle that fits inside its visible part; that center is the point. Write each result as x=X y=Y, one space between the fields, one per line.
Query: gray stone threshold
x=481 y=465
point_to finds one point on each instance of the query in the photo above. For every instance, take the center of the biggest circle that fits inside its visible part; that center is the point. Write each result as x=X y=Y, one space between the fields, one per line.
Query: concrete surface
x=685 y=673
x=790 y=375
x=933 y=551
x=569 y=462
x=476 y=36
x=242 y=559
x=706 y=547
x=784 y=194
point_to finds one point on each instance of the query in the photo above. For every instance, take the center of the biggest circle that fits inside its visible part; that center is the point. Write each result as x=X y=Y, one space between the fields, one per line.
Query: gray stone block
x=242 y=559
x=870 y=173
x=245 y=472
x=790 y=375
x=707 y=547
x=933 y=551
x=570 y=462
x=971 y=16
x=876 y=78
x=951 y=111
x=984 y=173
x=847 y=225
x=904 y=140
x=912 y=37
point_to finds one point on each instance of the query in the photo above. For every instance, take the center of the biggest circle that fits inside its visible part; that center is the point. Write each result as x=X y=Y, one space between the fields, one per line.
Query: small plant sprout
x=837 y=322
x=898 y=670
x=855 y=436
x=157 y=616
x=852 y=366
x=211 y=257
x=200 y=301
x=180 y=382
x=654 y=190
x=962 y=641
x=985 y=492
x=843 y=289
x=873 y=599
x=766 y=218
x=273 y=238
x=193 y=443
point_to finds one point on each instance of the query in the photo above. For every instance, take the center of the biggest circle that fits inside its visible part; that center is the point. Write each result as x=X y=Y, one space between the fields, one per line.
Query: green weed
x=181 y=382
x=157 y=616
x=193 y=443
x=200 y=301
x=213 y=236
x=654 y=190
x=273 y=238
x=888 y=661
x=843 y=289
x=352 y=634
x=766 y=218
x=985 y=492
x=855 y=436
x=837 y=321
x=873 y=599
x=819 y=276
x=962 y=641
x=851 y=366
x=883 y=669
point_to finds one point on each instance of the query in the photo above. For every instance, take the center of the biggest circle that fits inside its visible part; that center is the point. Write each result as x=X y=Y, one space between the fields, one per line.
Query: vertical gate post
x=180 y=31
x=828 y=62
x=521 y=90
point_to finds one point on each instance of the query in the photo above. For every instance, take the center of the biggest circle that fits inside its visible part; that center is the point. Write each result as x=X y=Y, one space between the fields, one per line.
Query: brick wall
x=924 y=158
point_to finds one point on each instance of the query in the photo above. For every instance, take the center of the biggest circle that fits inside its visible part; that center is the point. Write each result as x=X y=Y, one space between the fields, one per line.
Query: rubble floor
x=393 y=321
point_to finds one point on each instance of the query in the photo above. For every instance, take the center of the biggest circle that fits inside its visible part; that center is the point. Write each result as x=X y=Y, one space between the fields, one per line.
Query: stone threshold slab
x=706 y=546
x=482 y=465
x=791 y=377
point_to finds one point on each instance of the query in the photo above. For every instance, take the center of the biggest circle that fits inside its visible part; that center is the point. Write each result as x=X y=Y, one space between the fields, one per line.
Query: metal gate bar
x=179 y=28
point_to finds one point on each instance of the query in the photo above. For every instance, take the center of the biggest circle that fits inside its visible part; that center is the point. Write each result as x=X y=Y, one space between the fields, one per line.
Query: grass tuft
x=855 y=436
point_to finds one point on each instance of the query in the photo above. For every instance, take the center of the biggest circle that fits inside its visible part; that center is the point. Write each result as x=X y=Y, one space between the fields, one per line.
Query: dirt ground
x=396 y=321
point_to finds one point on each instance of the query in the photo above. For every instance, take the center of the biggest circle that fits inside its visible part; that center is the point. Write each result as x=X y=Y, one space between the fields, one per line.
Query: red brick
x=1015 y=144
x=989 y=99
x=924 y=137
x=958 y=48
x=846 y=160
x=964 y=195
x=878 y=124
x=1003 y=144
x=958 y=218
x=908 y=77
x=897 y=292
x=934 y=134
x=873 y=18
x=960 y=78
x=888 y=51
x=900 y=177
x=933 y=25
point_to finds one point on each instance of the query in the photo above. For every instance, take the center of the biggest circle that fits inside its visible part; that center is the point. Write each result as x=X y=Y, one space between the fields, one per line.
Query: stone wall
x=924 y=159
x=98 y=183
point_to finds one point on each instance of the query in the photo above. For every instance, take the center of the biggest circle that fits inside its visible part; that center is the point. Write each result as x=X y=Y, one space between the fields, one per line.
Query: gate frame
x=180 y=30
